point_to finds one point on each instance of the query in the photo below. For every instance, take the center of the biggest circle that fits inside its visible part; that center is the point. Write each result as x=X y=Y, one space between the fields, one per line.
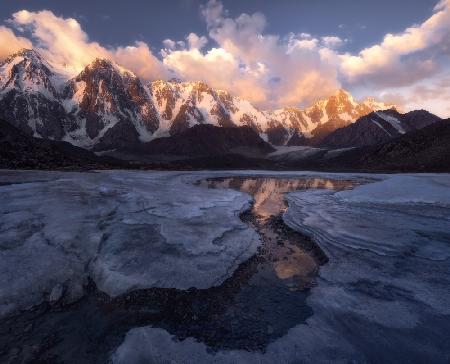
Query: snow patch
x=394 y=122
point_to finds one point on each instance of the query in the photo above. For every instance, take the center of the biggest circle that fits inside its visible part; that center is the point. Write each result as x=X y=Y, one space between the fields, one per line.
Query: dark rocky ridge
x=374 y=129
x=208 y=140
x=423 y=150
x=19 y=150
x=426 y=149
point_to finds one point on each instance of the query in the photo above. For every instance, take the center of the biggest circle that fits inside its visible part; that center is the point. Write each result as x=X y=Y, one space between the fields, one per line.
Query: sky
x=273 y=53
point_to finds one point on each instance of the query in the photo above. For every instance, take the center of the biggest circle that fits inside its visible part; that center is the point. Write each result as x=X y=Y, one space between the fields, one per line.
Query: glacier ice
x=382 y=297
x=125 y=230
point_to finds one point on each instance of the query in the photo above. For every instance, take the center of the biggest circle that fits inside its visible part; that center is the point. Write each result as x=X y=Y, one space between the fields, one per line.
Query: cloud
x=432 y=94
x=63 y=41
x=140 y=59
x=332 y=41
x=268 y=69
x=262 y=68
x=10 y=43
x=403 y=58
x=194 y=41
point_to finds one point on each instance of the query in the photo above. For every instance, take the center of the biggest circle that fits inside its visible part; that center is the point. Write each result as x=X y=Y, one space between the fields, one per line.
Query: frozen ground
x=382 y=297
x=125 y=230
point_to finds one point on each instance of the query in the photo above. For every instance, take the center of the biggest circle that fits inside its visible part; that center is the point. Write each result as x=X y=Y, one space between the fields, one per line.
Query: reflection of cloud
x=296 y=265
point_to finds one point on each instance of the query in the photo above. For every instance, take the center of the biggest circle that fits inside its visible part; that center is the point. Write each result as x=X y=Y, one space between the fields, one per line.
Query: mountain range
x=52 y=119
x=107 y=107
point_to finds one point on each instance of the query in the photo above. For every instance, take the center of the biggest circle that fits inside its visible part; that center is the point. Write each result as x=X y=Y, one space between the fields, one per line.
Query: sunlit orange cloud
x=236 y=55
x=10 y=43
x=63 y=41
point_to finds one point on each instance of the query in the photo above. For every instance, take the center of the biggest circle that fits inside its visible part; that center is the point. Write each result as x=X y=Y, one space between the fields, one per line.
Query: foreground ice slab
x=125 y=230
x=384 y=295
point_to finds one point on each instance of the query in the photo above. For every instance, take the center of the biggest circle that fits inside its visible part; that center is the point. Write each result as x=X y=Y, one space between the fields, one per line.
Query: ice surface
x=403 y=214
x=383 y=296
x=126 y=230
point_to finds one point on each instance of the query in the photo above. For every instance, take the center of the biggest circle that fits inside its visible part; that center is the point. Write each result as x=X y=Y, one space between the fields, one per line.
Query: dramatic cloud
x=10 y=43
x=262 y=68
x=268 y=69
x=140 y=59
x=61 y=39
x=401 y=59
x=64 y=42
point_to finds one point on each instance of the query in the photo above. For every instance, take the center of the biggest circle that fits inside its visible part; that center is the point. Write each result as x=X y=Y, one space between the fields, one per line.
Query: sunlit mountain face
x=325 y=83
x=106 y=105
x=397 y=56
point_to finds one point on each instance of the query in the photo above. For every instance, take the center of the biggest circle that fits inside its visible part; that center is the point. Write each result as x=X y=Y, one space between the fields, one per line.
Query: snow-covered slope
x=184 y=104
x=107 y=107
x=29 y=95
x=111 y=105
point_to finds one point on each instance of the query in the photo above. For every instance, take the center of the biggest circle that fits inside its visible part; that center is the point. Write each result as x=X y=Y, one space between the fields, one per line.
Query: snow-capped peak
x=105 y=100
x=27 y=71
x=106 y=65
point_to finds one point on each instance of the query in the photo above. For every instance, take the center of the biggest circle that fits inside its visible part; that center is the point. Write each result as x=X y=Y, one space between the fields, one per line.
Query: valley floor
x=70 y=240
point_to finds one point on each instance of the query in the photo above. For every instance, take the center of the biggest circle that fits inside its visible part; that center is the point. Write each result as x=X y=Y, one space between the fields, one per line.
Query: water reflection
x=268 y=193
x=284 y=251
x=263 y=299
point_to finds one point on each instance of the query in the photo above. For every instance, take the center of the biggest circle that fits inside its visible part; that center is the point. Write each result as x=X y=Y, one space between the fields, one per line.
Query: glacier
x=124 y=230
x=382 y=297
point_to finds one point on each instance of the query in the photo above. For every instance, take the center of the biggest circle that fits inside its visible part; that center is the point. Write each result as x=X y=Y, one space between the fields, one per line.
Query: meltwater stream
x=260 y=302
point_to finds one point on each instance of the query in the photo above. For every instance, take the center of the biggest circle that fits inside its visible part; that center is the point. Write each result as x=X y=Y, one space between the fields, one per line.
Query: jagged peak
x=30 y=54
x=27 y=52
x=105 y=63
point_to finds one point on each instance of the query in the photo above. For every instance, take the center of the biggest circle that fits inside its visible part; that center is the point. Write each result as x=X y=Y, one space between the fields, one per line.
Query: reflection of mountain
x=289 y=257
x=268 y=193
x=296 y=264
